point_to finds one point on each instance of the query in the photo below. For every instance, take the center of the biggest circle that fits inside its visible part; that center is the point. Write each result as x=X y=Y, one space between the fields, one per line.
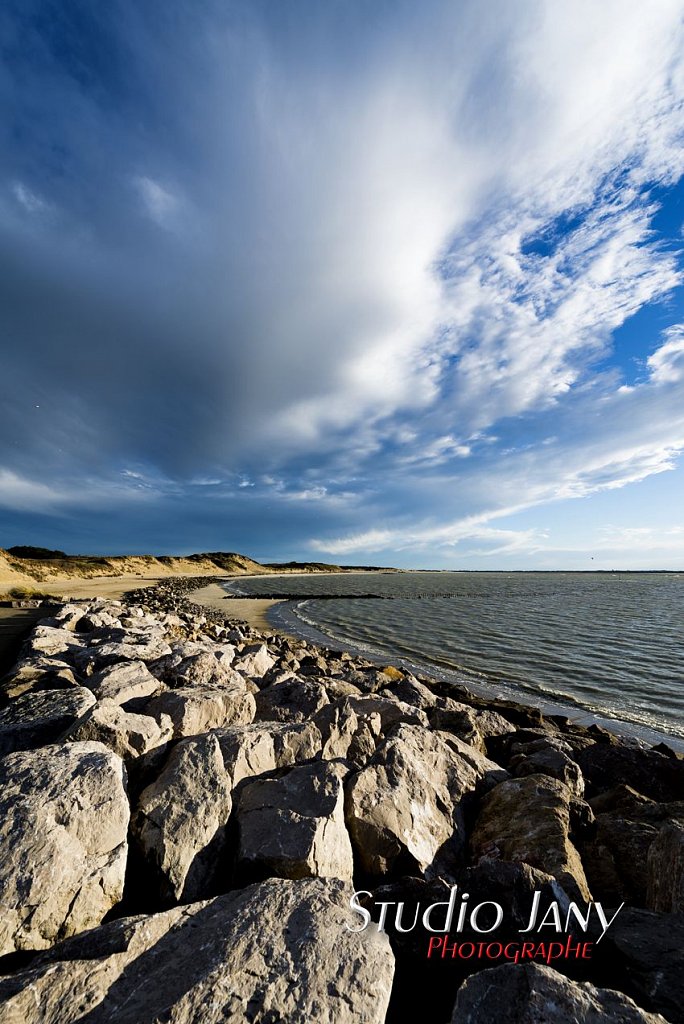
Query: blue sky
x=393 y=282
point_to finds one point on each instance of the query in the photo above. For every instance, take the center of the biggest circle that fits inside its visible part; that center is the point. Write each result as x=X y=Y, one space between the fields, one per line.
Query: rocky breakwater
x=201 y=823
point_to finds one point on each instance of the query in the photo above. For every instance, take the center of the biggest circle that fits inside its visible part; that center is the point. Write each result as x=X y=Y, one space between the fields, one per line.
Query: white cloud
x=160 y=203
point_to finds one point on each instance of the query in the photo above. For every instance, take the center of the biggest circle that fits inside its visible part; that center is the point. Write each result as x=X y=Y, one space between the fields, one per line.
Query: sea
x=598 y=647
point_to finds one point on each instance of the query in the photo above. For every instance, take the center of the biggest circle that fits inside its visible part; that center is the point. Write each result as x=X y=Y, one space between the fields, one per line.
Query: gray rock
x=196 y=709
x=407 y=803
x=39 y=717
x=347 y=734
x=127 y=734
x=278 y=951
x=293 y=826
x=50 y=641
x=391 y=711
x=254 y=661
x=180 y=820
x=123 y=682
x=549 y=761
x=96 y=657
x=643 y=955
x=529 y=820
x=295 y=700
x=665 y=870
x=536 y=994
x=64 y=819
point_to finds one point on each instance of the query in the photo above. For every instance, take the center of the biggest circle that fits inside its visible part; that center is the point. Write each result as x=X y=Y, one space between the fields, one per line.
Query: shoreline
x=278 y=611
x=159 y=710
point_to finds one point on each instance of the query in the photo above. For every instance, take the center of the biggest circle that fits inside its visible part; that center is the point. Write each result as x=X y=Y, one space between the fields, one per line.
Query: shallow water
x=610 y=644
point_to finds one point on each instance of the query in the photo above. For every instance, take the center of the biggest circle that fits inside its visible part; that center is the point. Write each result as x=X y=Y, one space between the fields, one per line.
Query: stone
x=39 y=673
x=50 y=640
x=96 y=657
x=195 y=710
x=391 y=711
x=36 y=718
x=180 y=821
x=292 y=825
x=123 y=682
x=202 y=669
x=606 y=765
x=534 y=993
x=404 y=810
x=129 y=735
x=644 y=957
x=549 y=761
x=277 y=951
x=347 y=734
x=254 y=661
x=665 y=870
x=294 y=700
x=64 y=820
x=530 y=820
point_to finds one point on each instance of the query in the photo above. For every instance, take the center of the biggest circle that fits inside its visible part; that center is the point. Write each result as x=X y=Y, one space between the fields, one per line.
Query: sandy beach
x=251 y=609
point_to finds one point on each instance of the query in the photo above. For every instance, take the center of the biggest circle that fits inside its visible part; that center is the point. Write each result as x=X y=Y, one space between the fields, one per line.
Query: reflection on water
x=609 y=643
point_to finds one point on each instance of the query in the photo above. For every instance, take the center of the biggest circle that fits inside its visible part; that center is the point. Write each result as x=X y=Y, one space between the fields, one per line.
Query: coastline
x=412 y=790
x=280 y=617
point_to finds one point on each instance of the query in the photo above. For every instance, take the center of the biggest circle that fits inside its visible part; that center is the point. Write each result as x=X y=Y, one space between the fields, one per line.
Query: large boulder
x=530 y=820
x=653 y=774
x=254 y=661
x=533 y=993
x=404 y=809
x=293 y=825
x=129 y=735
x=665 y=870
x=643 y=954
x=123 y=682
x=63 y=825
x=278 y=951
x=37 y=718
x=180 y=821
x=294 y=700
x=196 y=709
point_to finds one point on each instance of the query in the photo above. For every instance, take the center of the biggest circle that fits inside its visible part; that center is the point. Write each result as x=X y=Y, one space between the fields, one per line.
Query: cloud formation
x=357 y=279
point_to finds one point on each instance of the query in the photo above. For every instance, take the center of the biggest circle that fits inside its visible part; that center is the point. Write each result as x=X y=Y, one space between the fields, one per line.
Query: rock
x=530 y=820
x=37 y=718
x=291 y=701
x=511 y=885
x=665 y=870
x=404 y=809
x=491 y=773
x=96 y=657
x=293 y=825
x=391 y=711
x=250 y=750
x=123 y=682
x=536 y=994
x=180 y=821
x=549 y=761
x=64 y=818
x=254 y=661
x=409 y=691
x=644 y=957
x=195 y=710
x=606 y=765
x=37 y=674
x=346 y=734
x=278 y=951
x=50 y=640
x=616 y=856
x=202 y=669
x=127 y=734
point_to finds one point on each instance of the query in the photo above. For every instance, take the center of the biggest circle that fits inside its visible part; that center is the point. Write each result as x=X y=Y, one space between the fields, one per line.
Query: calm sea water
x=610 y=645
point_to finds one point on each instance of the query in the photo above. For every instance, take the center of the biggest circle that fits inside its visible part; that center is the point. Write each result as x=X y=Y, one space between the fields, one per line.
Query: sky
x=367 y=281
